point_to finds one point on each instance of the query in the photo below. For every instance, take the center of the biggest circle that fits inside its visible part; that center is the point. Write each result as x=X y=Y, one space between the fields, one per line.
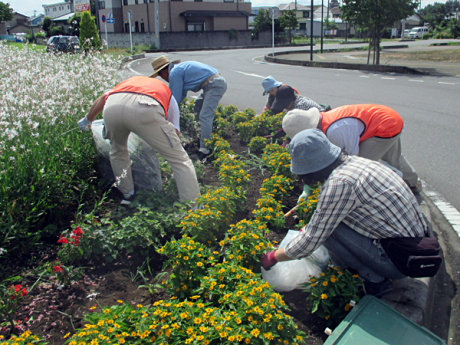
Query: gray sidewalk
x=357 y=59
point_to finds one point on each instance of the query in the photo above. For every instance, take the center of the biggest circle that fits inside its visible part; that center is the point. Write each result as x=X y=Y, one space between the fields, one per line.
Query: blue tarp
x=8 y=37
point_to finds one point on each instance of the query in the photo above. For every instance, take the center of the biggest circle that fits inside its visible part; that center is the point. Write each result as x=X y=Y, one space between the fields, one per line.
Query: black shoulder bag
x=414 y=256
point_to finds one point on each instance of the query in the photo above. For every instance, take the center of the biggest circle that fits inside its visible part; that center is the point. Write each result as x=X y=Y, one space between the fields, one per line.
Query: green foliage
x=9 y=298
x=89 y=37
x=289 y=21
x=47 y=25
x=330 y=24
x=221 y=127
x=245 y=130
x=74 y=25
x=262 y=22
x=269 y=210
x=331 y=293
x=57 y=30
x=6 y=12
x=278 y=186
x=239 y=117
x=229 y=110
x=376 y=15
x=257 y=144
x=233 y=34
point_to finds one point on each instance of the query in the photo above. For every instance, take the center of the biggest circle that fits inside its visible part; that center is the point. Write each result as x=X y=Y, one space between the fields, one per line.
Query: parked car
x=418 y=32
x=406 y=34
x=67 y=44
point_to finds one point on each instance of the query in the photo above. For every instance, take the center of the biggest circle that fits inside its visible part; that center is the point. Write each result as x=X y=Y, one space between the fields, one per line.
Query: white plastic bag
x=289 y=275
x=145 y=168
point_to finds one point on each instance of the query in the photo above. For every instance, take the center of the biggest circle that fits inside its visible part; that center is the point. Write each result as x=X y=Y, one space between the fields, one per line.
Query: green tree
x=89 y=37
x=47 y=25
x=263 y=22
x=375 y=16
x=6 y=12
x=434 y=14
x=330 y=24
x=289 y=21
x=74 y=25
x=57 y=30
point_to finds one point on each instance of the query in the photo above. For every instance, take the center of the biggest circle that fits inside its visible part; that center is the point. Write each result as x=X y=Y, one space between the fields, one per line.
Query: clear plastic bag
x=289 y=275
x=145 y=167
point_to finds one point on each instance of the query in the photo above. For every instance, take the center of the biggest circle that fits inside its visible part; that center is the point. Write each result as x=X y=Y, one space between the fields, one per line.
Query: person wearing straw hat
x=144 y=106
x=194 y=76
x=360 y=203
x=369 y=130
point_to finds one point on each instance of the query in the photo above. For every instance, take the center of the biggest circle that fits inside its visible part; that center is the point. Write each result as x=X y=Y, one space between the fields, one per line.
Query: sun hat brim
x=155 y=74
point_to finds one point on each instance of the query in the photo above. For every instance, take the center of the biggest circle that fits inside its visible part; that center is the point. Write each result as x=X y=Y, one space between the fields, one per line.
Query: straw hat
x=159 y=63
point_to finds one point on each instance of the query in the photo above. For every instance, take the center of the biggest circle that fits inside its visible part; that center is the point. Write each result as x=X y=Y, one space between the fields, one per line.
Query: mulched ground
x=52 y=313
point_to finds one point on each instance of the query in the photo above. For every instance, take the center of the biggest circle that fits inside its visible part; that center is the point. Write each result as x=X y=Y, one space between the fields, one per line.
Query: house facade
x=19 y=23
x=57 y=10
x=174 y=16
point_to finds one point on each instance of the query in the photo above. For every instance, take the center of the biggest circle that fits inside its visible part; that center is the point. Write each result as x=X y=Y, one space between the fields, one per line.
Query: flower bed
x=199 y=269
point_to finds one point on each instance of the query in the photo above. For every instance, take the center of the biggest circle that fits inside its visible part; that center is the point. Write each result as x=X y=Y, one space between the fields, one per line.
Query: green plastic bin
x=372 y=322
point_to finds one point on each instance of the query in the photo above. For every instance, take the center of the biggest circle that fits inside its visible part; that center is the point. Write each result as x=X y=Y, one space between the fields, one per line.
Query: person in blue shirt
x=194 y=76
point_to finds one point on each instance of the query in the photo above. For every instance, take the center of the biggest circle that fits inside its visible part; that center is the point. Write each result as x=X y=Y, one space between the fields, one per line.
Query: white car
x=418 y=32
x=406 y=34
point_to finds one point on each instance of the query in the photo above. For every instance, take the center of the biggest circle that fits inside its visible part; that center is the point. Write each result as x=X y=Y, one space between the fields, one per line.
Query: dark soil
x=52 y=313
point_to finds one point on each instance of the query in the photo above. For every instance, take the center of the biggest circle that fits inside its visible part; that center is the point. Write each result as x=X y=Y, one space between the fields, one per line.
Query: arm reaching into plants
x=96 y=108
x=270 y=259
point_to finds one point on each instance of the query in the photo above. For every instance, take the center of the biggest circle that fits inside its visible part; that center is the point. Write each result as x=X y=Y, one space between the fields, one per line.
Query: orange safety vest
x=379 y=120
x=151 y=87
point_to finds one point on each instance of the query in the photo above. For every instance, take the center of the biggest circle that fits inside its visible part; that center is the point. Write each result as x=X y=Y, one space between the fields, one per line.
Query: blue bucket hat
x=269 y=83
x=311 y=151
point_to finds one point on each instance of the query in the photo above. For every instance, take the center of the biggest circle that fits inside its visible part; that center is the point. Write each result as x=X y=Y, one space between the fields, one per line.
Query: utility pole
x=311 y=33
x=322 y=10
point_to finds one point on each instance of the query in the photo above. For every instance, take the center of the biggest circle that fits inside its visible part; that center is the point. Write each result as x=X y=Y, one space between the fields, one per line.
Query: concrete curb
x=130 y=58
x=341 y=65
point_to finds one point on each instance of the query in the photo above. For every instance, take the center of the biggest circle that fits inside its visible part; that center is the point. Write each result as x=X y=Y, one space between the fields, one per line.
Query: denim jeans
x=206 y=105
x=349 y=249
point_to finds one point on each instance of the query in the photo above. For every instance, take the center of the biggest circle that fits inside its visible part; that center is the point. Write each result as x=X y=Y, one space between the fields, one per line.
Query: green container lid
x=372 y=321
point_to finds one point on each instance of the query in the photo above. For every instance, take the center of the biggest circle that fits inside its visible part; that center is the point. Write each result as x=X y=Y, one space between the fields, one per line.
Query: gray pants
x=206 y=105
x=349 y=249
x=390 y=151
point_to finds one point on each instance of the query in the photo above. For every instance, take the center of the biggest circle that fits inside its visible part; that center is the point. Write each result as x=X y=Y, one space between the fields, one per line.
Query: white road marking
x=137 y=62
x=416 y=81
x=450 y=212
x=388 y=78
x=364 y=76
x=442 y=82
x=250 y=74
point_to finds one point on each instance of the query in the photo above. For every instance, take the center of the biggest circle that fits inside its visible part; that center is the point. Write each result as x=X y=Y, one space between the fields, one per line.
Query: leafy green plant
x=245 y=130
x=307 y=207
x=221 y=127
x=239 y=117
x=269 y=211
x=25 y=338
x=257 y=144
x=229 y=110
x=278 y=185
x=331 y=293
x=156 y=284
x=65 y=274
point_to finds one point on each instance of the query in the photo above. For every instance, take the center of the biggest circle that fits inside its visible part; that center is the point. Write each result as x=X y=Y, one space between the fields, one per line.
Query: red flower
x=78 y=231
x=57 y=269
x=24 y=292
x=62 y=240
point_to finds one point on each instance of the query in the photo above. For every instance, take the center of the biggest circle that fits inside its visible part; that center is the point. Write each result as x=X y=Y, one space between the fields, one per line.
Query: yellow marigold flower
x=199 y=264
x=121 y=341
x=255 y=332
x=323 y=296
x=327 y=317
x=325 y=283
x=322 y=274
x=247 y=340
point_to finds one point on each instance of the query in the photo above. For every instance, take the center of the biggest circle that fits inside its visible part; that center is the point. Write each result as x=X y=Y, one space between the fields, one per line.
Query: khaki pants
x=128 y=112
x=389 y=150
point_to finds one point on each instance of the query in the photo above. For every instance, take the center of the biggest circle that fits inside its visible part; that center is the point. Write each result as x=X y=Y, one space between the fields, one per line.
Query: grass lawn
x=444 y=55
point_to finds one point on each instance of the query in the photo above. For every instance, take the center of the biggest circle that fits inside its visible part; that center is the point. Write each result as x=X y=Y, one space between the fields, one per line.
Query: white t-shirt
x=345 y=133
x=173 y=113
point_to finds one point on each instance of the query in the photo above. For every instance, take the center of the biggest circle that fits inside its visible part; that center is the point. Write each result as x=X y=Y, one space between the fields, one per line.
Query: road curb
x=341 y=65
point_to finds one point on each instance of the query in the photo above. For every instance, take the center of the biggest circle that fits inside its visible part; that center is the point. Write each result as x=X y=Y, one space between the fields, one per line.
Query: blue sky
x=27 y=7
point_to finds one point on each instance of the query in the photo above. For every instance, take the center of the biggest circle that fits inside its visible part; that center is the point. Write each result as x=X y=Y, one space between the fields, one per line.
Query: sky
x=31 y=7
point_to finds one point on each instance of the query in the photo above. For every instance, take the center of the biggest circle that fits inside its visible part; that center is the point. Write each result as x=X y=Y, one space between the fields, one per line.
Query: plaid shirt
x=369 y=198
x=305 y=103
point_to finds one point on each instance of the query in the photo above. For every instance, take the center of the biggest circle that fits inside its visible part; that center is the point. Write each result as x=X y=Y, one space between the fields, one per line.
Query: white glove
x=85 y=124
x=306 y=193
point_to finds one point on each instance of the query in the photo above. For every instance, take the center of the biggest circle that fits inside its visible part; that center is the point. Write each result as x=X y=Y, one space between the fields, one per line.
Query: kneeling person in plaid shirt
x=360 y=203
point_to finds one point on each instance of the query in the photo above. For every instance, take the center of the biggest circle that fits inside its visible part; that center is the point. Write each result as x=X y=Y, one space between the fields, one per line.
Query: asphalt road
x=430 y=106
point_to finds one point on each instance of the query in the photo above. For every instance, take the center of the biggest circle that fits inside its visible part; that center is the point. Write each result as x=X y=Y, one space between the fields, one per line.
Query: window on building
x=229 y=1
x=136 y=1
x=177 y=0
x=142 y=27
x=101 y=5
x=125 y=2
x=303 y=26
x=145 y=1
x=198 y=0
x=306 y=14
x=195 y=27
x=127 y=27
x=136 y=26
x=68 y=7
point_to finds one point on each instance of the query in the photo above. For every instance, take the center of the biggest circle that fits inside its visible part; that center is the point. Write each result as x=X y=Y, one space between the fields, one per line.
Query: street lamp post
x=311 y=33
x=322 y=31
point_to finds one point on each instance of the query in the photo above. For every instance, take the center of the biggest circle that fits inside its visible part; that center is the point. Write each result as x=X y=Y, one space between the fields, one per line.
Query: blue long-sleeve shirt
x=188 y=76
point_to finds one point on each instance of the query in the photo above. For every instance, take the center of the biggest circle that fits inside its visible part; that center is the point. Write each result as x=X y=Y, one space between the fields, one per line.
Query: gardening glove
x=85 y=124
x=268 y=260
x=306 y=193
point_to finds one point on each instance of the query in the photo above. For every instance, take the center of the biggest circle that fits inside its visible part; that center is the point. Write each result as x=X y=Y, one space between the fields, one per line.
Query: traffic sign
x=111 y=21
x=103 y=18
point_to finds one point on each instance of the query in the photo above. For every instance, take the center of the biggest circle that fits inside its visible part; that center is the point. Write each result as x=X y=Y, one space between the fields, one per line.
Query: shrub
x=89 y=37
x=245 y=130
x=221 y=127
x=270 y=211
x=239 y=117
x=278 y=185
x=257 y=144
x=229 y=110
